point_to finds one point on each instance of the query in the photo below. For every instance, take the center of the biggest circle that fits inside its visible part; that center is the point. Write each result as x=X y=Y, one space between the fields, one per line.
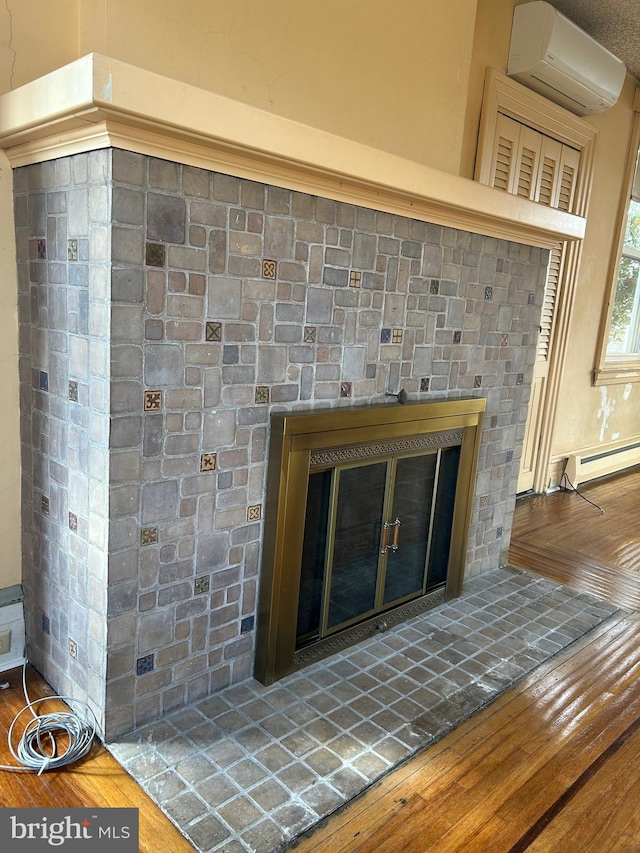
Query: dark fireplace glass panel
x=314 y=555
x=443 y=517
x=412 y=500
x=356 y=551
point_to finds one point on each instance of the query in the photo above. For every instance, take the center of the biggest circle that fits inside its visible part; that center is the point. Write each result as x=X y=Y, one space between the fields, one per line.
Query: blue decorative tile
x=457 y=336
x=385 y=336
x=434 y=286
x=247 y=624
x=144 y=664
x=44 y=381
x=477 y=381
x=488 y=292
x=424 y=383
x=46 y=624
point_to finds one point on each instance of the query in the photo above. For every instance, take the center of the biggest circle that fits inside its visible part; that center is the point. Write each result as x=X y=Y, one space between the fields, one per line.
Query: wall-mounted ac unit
x=554 y=57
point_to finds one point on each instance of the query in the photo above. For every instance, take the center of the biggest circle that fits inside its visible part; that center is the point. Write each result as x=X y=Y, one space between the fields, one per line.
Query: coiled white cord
x=38 y=750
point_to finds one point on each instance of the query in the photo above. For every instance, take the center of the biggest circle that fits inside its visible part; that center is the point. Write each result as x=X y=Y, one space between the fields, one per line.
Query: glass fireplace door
x=372 y=539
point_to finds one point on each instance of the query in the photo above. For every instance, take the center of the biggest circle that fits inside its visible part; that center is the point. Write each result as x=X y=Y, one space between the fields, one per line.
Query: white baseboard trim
x=12 y=618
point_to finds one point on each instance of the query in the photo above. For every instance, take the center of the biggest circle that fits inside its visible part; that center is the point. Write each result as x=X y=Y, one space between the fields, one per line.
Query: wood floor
x=552 y=765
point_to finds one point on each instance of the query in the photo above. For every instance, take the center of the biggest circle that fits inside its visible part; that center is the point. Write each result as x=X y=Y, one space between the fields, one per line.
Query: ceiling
x=615 y=24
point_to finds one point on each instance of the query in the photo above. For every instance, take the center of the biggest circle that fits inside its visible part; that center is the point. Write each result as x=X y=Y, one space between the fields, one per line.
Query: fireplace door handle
x=386 y=527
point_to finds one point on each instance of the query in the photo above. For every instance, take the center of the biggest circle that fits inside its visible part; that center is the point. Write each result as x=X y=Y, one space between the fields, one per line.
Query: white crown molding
x=97 y=102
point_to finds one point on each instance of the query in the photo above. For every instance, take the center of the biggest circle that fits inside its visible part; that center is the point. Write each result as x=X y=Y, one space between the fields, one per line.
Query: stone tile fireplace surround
x=165 y=311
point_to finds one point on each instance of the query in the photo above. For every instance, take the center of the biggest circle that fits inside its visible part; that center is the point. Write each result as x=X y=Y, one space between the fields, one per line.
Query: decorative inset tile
x=509 y=455
x=144 y=664
x=434 y=287
x=385 y=336
x=201 y=585
x=73 y=391
x=149 y=536
x=494 y=421
x=152 y=401
x=519 y=378
x=396 y=336
x=355 y=279
x=247 y=624
x=531 y=299
x=44 y=380
x=254 y=513
x=484 y=501
x=488 y=292
x=310 y=334
x=155 y=255
x=73 y=648
x=269 y=268
x=72 y=250
x=424 y=383
x=262 y=394
x=42 y=250
x=208 y=461
x=46 y=624
x=345 y=389
x=44 y=503
x=477 y=381
x=213 y=332
x=73 y=522
x=457 y=336
x=499 y=533
x=504 y=341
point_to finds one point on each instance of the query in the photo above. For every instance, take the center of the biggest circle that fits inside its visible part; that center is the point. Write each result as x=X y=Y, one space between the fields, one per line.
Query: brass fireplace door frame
x=294 y=437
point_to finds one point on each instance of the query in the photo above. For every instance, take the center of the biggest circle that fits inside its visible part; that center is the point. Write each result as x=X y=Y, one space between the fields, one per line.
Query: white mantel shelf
x=98 y=102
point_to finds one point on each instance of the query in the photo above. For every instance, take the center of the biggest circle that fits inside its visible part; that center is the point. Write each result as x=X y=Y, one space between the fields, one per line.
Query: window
x=624 y=328
x=619 y=350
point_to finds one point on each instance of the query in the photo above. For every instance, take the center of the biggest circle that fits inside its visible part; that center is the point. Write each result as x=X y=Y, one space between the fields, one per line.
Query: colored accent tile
x=509 y=455
x=152 y=401
x=73 y=391
x=247 y=624
x=424 y=383
x=494 y=421
x=531 y=299
x=519 y=378
x=269 y=269
x=457 y=337
x=213 y=332
x=44 y=381
x=345 y=389
x=488 y=292
x=208 y=461
x=201 y=585
x=477 y=381
x=355 y=279
x=155 y=255
x=385 y=336
x=72 y=250
x=310 y=334
x=42 y=250
x=144 y=665
x=73 y=522
x=44 y=503
x=46 y=624
x=484 y=501
x=149 y=536
x=505 y=341
x=73 y=648
x=499 y=533
x=397 y=336
x=254 y=513
x=434 y=287
x=262 y=394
